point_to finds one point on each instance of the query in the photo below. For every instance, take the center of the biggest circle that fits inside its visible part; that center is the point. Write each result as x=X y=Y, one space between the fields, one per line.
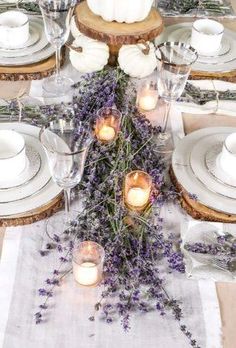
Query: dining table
x=216 y=301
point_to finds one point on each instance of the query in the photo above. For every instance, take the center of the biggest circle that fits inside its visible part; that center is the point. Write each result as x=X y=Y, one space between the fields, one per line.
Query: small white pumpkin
x=74 y=29
x=88 y=55
x=128 y=11
x=138 y=60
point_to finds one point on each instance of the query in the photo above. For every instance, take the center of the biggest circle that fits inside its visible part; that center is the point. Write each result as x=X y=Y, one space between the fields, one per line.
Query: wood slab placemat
x=35 y=71
x=196 y=209
x=35 y=215
x=229 y=76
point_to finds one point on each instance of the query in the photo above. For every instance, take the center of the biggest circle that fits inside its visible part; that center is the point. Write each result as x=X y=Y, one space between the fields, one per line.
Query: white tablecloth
x=23 y=271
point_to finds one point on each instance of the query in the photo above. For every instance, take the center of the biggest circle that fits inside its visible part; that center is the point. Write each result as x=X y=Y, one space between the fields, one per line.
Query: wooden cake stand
x=117 y=34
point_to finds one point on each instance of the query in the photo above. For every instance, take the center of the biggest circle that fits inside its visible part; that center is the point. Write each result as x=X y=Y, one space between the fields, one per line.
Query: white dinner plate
x=223 y=61
x=41 y=196
x=185 y=176
x=199 y=167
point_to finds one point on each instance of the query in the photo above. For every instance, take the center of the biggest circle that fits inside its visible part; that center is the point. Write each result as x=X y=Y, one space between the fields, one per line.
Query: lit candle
x=107 y=124
x=88 y=260
x=137 y=197
x=147 y=97
x=137 y=190
x=148 y=102
x=106 y=133
x=86 y=274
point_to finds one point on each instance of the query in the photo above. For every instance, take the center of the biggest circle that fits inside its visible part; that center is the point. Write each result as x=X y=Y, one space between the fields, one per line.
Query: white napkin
x=223 y=107
x=201 y=267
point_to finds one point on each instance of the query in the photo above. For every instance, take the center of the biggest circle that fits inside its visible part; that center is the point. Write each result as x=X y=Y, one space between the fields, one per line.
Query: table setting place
x=117 y=173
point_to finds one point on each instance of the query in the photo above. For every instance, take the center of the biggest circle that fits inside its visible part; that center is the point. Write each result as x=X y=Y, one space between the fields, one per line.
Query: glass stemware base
x=164 y=143
x=60 y=226
x=57 y=85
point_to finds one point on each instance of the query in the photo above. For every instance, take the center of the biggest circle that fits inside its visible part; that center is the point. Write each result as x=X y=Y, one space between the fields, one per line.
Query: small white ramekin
x=228 y=155
x=206 y=36
x=12 y=154
x=14 y=29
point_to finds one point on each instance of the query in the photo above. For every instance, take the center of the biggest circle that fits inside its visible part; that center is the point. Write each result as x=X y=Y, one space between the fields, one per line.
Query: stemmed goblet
x=57 y=15
x=174 y=65
x=66 y=145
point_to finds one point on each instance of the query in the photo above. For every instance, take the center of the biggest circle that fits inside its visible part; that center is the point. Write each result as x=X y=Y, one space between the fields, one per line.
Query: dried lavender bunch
x=188 y=6
x=225 y=246
x=200 y=96
x=135 y=246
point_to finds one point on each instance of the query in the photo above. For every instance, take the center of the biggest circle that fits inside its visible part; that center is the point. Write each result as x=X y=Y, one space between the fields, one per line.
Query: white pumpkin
x=88 y=55
x=128 y=11
x=138 y=60
x=74 y=29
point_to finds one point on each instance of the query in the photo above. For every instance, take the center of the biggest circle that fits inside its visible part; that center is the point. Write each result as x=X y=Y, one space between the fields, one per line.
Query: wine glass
x=66 y=144
x=174 y=65
x=57 y=15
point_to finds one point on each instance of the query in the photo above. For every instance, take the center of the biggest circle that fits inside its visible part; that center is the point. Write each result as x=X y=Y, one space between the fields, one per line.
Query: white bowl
x=14 y=29
x=206 y=36
x=12 y=154
x=228 y=155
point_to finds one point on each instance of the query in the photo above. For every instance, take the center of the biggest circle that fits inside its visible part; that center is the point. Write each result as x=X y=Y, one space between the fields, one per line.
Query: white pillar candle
x=137 y=196
x=86 y=273
x=106 y=133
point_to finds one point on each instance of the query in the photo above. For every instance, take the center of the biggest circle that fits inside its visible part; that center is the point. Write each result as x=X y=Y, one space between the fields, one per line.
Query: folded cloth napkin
x=205 y=266
x=192 y=100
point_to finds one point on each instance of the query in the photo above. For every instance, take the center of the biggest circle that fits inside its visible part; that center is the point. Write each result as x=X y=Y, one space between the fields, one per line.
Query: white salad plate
x=200 y=169
x=222 y=61
x=39 y=50
x=182 y=167
x=39 y=190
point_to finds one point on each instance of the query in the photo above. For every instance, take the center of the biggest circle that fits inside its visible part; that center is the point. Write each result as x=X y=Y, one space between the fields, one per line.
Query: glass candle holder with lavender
x=137 y=190
x=107 y=124
x=88 y=259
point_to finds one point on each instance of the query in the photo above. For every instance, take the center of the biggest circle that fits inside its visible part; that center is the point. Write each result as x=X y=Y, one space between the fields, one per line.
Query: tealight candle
x=107 y=124
x=137 y=190
x=106 y=133
x=88 y=260
x=147 y=97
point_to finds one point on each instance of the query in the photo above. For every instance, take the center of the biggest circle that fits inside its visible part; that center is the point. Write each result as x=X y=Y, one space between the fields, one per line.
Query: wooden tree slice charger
x=117 y=34
x=35 y=215
x=196 y=209
x=35 y=71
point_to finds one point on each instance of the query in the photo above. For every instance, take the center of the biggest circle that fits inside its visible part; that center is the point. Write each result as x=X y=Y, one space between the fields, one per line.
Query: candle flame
x=136 y=176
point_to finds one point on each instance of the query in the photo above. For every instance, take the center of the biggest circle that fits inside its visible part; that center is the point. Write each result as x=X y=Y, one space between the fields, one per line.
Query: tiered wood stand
x=117 y=34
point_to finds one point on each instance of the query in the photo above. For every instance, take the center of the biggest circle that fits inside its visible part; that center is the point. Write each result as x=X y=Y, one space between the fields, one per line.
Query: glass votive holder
x=137 y=190
x=107 y=124
x=147 y=96
x=88 y=259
